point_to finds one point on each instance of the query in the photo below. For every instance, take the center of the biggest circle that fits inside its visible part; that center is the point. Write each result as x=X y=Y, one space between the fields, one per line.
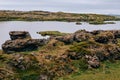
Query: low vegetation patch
x=51 y=33
x=100 y=22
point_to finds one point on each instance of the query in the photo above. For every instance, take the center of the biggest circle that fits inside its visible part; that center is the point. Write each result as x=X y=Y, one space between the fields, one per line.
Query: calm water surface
x=33 y=27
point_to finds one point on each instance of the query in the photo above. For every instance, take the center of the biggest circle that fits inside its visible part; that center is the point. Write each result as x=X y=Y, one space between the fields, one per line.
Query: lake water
x=33 y=27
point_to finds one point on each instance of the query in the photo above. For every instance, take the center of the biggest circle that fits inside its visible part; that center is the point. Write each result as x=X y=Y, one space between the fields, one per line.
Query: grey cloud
x=95 y=6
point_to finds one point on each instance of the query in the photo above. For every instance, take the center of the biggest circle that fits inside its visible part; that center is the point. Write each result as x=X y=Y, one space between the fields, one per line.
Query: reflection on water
x=37 y=26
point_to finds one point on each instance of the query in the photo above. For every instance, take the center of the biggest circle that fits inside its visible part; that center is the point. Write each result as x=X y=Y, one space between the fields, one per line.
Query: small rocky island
x=59 y=56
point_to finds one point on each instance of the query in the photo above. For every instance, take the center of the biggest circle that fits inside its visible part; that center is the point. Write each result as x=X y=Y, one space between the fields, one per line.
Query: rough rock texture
x=22 y=45
x=21 y=41
x=19 y=35
x=95 y=32
x=93 y=61
x=105 y=37
x=116 y=33
x=23 y=62
x=67 y=39
x=99 y=36
x=78 y=36
x=81 y=35
x=6 y=74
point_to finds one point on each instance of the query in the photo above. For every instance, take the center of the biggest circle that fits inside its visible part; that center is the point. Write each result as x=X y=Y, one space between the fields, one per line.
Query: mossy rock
x=51 y=33
x=104 y=37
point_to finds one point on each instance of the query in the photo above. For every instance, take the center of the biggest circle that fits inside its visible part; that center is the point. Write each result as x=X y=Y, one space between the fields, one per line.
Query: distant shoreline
x=11 y=15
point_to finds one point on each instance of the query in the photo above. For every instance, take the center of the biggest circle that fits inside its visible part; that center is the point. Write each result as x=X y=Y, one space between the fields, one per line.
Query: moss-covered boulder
x=105 y=37
x=81 y=35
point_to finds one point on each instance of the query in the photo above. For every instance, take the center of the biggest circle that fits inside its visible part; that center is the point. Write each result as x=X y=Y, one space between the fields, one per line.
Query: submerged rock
x=78 y=23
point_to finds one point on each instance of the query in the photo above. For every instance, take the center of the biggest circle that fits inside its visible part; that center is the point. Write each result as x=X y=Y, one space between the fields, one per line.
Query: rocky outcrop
x=67 y=39
x=23 y=62
x=20 y=42
x=22 y=45
x=99 y=36
x=78 y=36
x=116 y=33
x=81 y=35
x=19 y=35
x=93 y=61
x=105 y=37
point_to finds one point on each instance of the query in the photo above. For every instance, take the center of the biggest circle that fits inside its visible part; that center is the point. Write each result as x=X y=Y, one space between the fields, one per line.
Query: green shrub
x=80 y=64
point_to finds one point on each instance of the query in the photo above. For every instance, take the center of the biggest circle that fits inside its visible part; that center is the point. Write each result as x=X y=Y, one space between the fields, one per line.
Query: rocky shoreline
x=22 y=41
x=59 y=55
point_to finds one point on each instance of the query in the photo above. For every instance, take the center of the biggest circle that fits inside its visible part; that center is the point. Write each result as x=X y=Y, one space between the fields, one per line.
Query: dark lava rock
x=95 y=32
x=74 y=55
x=105 y=37
x=78 y=36
x=78 y=23
x=19 y=35
x=67 y=39
x=116 y=33
x=81 y=35
x=22 y=45
x=23 y=62
x=93 y=61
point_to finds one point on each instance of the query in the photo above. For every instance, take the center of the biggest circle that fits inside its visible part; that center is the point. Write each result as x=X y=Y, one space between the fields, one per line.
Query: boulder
x=105 y=37
x=22 y=45
x=19 y=35
x=23 y=62
x=81 y=35
x=116 y=33
x=95 y=32
x=67 y=39
x=78 y=36
x=93 y=61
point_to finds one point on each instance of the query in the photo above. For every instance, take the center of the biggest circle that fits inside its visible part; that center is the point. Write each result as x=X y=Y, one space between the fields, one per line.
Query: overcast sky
x=80 y=6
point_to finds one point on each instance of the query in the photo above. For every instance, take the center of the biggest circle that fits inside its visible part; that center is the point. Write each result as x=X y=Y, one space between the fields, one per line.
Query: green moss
x=31 y=74
x=78 y=49
x=80 y=65
x=83 y=47
x=51 y=33
x=97 y=22
x=110 y=22
x=108 y=71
